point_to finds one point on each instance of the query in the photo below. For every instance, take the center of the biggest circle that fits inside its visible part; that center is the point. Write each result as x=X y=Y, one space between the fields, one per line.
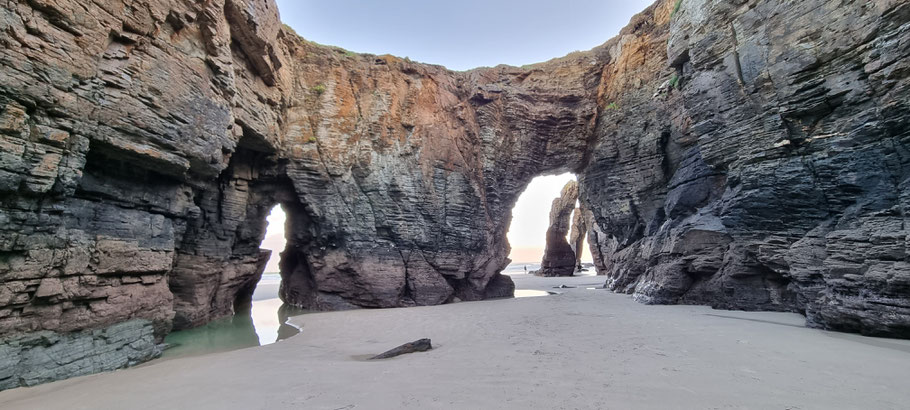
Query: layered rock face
x=406 y=173
x=741 y=154
x=764 y=166
x=143 y=144
x=130 y=139
x=559 y=256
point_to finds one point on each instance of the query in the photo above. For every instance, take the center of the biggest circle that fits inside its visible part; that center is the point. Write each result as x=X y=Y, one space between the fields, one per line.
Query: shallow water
x=265 y=323
x=530 y=293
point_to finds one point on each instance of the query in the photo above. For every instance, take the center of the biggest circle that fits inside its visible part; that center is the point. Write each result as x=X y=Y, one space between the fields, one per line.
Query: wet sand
x=581 y=349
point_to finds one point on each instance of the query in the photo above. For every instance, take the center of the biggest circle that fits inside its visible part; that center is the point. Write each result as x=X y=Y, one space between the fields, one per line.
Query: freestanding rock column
x=559 y=256
x=577 y=237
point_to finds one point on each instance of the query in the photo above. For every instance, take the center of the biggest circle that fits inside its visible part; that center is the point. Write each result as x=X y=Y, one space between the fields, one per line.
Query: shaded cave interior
x=232 y=221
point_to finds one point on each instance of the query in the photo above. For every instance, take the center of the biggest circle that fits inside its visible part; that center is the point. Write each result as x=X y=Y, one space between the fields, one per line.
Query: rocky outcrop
x=764 y=167
x=577 y=235
x=143 y=145
x=745 y=154
x=47 y=356
x=559 y=256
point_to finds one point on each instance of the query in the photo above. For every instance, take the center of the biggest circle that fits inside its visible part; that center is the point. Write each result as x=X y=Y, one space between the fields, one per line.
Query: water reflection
x=530 y=293
x=265 y=323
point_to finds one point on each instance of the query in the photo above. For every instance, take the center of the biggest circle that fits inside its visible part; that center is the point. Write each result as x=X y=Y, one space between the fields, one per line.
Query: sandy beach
x=581 y=349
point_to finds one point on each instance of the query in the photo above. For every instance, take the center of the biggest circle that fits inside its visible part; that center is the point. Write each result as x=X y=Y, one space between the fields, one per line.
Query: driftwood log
x=421 y=345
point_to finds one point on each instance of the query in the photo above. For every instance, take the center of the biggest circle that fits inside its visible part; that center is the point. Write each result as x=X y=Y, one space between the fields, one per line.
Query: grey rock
x=48 y=356
x=421 y=345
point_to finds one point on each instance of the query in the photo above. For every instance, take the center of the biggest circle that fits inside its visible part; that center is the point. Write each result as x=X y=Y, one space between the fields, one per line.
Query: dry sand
x=582 y=349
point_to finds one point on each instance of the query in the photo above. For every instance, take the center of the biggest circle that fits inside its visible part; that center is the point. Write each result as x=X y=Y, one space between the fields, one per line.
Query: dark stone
x=421 y=345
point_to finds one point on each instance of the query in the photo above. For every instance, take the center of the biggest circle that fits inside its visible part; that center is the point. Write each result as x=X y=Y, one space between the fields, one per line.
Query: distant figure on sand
x=526 y=268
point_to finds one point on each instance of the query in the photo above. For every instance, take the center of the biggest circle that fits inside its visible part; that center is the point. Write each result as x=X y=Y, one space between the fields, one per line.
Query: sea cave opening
x=257 y=320
x=262 y=306
x=531 y=224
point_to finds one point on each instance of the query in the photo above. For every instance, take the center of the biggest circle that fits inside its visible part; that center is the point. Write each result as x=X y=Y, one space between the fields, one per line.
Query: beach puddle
x=530 y=293
x=265 y=323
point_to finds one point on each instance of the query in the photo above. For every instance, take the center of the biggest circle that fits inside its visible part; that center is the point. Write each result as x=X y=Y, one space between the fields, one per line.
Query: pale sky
x=274 y=238
x=531 y=218
x=462 y=35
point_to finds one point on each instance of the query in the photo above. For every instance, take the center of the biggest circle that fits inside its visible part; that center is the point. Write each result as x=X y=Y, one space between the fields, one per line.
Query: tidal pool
x=265 y=323
x=530 y=293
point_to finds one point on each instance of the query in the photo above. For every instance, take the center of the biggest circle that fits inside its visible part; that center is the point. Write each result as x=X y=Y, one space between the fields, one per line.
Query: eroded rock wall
x=763 y=165
x=118 y=122
x=143 y=144
x=409 y=171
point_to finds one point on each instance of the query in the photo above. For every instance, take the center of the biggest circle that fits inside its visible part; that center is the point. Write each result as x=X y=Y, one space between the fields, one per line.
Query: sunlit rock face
x=407 y=173
x=745 y=155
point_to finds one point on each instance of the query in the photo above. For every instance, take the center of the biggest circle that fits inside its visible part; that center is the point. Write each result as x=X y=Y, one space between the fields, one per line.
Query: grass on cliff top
x=336 y=49
x=290 y=29
x=676 y=8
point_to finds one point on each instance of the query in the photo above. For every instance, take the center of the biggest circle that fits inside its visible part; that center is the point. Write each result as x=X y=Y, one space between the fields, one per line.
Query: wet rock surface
x=745 y=155
x=559 y=257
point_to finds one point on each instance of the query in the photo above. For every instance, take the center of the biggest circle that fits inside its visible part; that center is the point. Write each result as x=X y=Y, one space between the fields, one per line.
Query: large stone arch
x=719 y=165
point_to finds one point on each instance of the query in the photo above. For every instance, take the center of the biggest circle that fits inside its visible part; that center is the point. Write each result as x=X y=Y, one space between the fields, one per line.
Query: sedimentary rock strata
x=745 y=154
x=559 y=257
x=766 y=168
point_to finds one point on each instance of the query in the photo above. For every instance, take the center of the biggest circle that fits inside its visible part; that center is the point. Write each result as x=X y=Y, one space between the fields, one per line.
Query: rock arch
x=719 y=165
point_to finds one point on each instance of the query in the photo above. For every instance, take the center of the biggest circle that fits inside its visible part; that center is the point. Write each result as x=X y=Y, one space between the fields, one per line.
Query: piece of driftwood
x=421 y=345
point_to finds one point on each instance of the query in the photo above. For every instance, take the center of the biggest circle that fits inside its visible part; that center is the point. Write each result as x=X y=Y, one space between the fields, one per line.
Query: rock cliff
x=741 y=154
x=765 y=167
